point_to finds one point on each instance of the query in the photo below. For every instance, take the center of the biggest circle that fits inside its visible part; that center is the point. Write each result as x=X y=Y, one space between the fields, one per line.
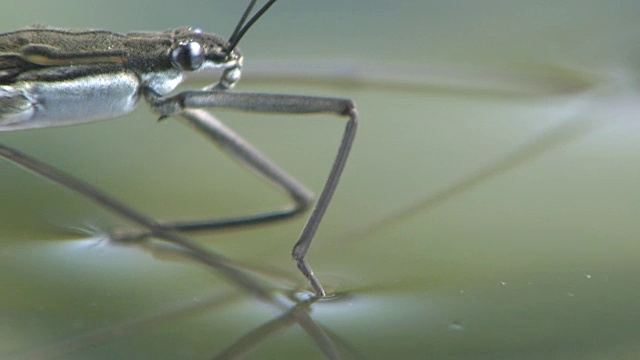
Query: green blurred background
x=490 y=208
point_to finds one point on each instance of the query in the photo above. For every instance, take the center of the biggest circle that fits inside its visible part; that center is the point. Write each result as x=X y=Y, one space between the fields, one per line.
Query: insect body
x=56 y=77
x=51 y=77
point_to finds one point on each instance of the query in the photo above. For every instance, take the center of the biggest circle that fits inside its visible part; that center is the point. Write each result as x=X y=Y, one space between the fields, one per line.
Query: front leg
x=280 y=104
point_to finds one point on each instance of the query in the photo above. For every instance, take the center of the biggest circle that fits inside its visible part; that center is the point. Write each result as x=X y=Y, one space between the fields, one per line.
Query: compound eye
x=188 y=55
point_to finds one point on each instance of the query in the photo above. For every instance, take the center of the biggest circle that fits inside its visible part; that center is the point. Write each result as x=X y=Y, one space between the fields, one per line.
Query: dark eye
x=188 y=55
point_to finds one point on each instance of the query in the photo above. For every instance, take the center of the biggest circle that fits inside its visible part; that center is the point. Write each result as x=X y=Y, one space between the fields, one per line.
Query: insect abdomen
x=31 y=104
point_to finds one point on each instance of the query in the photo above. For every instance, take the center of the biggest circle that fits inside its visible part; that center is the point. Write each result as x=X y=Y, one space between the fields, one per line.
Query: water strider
x=52 y=77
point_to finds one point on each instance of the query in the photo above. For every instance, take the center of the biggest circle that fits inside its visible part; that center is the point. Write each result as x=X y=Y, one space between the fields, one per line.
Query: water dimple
x=337 y=296
x=455 y=326
x=302 y=296
x=309 y=296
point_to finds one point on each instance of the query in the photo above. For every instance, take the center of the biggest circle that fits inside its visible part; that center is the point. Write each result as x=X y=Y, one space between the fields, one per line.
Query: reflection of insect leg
x=300 y=314
x=184 y=105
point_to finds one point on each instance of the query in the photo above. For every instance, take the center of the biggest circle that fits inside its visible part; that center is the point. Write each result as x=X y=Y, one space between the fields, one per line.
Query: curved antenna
x=234 y=40
x=242 y=20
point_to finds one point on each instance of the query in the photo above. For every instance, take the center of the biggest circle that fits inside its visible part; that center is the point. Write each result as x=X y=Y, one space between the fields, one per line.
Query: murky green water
x=490 y=209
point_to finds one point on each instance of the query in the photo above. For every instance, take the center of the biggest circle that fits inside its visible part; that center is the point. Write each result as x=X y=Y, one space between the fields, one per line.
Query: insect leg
x=209 y=258
x=246 y=154
x=280 y=104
